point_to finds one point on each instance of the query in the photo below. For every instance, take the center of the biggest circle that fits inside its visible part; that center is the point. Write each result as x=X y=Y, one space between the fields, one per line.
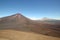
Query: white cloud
x=34 y=18
x=41 y=18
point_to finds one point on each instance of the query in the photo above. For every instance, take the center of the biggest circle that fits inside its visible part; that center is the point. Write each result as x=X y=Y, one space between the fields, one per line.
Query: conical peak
x=18 y=14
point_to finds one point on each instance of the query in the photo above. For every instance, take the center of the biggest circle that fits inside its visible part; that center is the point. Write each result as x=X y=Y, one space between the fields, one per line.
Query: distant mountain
x=22 y=23
x=49 y=21
x=45 y=18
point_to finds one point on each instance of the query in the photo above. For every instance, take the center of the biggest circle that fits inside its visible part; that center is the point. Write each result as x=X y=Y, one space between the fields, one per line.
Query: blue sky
x=34 y=9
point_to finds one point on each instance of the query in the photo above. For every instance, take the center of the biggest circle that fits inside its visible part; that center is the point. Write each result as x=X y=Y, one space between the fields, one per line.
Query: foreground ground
x=19 y=35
